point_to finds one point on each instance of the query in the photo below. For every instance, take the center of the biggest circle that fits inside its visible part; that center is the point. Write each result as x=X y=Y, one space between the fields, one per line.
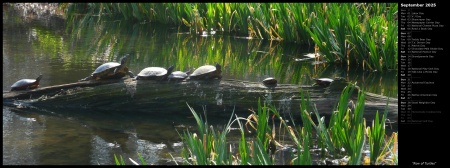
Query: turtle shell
x=25 y=84
x=178 y=75
x=105 y=69
x=270 y=81
x=323 y=81
x=207 y=72
x=111 y=70
x=338 y=83
x=154 y=73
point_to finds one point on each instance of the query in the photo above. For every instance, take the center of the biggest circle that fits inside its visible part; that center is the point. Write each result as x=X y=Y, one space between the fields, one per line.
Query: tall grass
x=376 y=135
x=361 y=34
x=207 y=148
x=257 y=151
x=346 y=130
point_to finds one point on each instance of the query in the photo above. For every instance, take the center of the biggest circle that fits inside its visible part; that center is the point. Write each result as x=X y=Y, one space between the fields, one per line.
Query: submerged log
x=220 y=97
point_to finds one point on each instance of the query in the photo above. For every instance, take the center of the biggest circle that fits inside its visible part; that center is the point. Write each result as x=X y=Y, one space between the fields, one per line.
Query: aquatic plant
x=122 y=162
x=346 y=130
x=207 y=148
x=376 y=135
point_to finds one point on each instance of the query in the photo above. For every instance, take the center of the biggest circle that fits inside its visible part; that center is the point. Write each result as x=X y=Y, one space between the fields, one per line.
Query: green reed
x=122 y=162
x=258 y=151
x=376 y=135
x=375 y=37
x=119 y=161
x=302 y=136
x=207 y=148
x=211 y=148
x=346 y=129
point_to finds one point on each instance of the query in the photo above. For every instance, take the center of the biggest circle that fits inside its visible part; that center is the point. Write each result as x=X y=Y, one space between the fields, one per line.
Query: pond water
x=34 y=45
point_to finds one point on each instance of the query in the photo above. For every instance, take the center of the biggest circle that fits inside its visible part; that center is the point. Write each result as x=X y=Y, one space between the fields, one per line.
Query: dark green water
x=40 y=45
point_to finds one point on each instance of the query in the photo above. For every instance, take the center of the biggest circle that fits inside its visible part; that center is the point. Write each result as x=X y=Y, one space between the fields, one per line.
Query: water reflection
x=33 y=136
x=18 y=135
x=101 y=151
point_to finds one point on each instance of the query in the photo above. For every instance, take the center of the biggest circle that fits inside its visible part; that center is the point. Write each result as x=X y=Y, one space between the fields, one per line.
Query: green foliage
x=119 y=162
x=346 y=127
x=210 y=148
x=122 y=162
x=376 y=135
x=346 y=130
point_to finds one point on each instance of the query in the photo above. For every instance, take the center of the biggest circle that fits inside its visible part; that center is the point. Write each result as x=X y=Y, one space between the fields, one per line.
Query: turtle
x=178 y=75
x=270 y=81
x=154 y=73
x=323 y=81
x=340 y=83
x=26 y=84
x=111 y=70
x=207 y=72
x=327 y=81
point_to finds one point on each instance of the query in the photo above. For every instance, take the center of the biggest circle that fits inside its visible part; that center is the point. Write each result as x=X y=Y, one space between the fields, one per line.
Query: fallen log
x=219 y=97
x=30 y=94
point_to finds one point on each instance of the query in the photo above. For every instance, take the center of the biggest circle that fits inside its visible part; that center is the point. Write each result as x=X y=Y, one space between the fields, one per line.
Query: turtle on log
x=111 y=70
x=179 y=75
x=270 y=82
x=26 y=84
x=154 y=73
x=207 y=72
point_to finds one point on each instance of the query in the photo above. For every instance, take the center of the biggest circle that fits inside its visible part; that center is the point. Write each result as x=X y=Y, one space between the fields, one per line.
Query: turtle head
x=218 y=71
x=170 y=69
x=218 y=67
x=339 y=79
x=124 y=59
x=122 y=65
x=188 y=72
x=39 y=78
